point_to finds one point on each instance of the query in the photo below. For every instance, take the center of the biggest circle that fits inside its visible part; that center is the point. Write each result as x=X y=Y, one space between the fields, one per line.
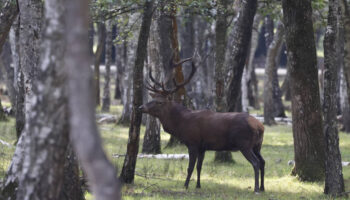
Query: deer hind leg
x=254 y=161
x=262 y=167
x=193 y=157
x=199 y=168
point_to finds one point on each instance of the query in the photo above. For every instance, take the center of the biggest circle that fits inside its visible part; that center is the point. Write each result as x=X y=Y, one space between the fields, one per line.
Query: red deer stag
x=206 y=130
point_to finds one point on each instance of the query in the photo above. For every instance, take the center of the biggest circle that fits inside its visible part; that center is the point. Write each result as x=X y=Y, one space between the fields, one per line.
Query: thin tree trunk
x=18 y=80
x=285 y=88
x=5 y=64
x=242 y=32
x=128 y=171
x=334 y=183
x=106 y=100
x=272 y=95
x=126 y=113
x=307 y=125
x=346 y=20
x=8 y=14
x=101 y=33
x=83 y=129
x=151 y=140
x=119 y=72
x=249 y=95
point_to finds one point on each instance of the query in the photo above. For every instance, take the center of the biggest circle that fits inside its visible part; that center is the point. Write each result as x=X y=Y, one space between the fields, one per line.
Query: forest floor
x=164 y=179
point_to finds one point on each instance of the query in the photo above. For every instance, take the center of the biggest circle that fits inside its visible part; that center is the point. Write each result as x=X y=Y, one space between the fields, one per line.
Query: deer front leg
x=193 y=157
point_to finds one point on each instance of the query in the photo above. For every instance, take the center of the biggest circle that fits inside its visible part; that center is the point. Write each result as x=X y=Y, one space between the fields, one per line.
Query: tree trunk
x=5 y=64
x=126 y=113
x=2 y=113
x=346 y=20
x=48 y=115
x=119 y=72
x=334 y=183
x=83 y=129
x=343 y=95
x=101 y=34
x=169 y=49
x=345 y=107
x=186 y=33
x=285 y=88
x=8 y=14
x=272 y=94
x=71 y=186
x=18 y=80
x=106 y=100
x=220 y=52
x=306 y=109
x=242 y=32
x=249 y=81
x=30 y=33
x=151 y=140
x=128 y=171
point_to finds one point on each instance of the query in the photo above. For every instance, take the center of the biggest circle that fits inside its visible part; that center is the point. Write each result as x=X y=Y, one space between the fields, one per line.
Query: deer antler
x=163 y=91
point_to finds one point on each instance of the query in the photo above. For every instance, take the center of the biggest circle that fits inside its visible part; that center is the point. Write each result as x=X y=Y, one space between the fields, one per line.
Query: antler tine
x=178 y=86
x=152 y=79
x=182 y=61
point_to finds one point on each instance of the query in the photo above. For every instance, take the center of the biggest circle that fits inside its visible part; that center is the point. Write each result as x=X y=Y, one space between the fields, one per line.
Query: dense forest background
x=74 y=74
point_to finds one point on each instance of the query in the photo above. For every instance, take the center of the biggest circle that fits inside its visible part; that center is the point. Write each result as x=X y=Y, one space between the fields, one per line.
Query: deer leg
x=199 y=168
x=262 y=169
x=193 y=157
x=250 y=156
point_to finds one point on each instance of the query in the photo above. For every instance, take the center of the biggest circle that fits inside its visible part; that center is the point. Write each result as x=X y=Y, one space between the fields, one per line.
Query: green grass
x=164 y=179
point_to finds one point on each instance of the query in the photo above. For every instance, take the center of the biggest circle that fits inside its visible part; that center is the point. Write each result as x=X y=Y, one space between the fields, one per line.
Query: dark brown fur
x=207 y=130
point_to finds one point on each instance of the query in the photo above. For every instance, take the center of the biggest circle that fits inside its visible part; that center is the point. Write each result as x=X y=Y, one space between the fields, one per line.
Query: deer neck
x=172 y=120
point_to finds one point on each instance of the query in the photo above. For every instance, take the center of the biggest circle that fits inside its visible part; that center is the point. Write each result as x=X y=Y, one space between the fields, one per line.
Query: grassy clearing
x=164 y=179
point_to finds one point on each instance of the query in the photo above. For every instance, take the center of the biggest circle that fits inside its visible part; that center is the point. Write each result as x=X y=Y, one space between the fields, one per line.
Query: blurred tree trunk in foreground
x=83 y=129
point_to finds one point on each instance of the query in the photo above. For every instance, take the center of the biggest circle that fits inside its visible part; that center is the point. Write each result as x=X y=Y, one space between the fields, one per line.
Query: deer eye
x=159 y=102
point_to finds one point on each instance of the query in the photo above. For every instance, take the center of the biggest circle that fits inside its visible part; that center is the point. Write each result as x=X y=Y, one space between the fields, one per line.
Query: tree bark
x=169 y=48
x=8 y=14
x=83 y=129
x=71 y=186
x=126 y=99
x=119 y=73
x=5 y=64
x=220 y=52
x=273 y=106
x=18 y=80
x=345 y=8
x=249 y=82
x=151 y=140
x=242 y=32
x=106 y=100
x=128 y=171
x=30 y=34
x=101 y=34
x=306 y=110
x=334 y=183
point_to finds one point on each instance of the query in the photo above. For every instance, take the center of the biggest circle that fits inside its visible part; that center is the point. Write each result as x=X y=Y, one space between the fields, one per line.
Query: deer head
x=161 y=97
